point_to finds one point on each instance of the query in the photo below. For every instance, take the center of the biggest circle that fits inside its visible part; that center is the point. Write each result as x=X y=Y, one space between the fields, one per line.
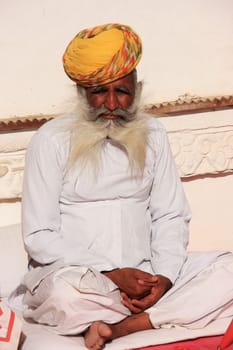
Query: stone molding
x=23 y=123
x=202 y=146
x=186 y=104
x=203 y=151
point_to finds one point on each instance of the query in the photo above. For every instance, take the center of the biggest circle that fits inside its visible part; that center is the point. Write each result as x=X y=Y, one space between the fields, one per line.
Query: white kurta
x=76 y=226
x=72 y=218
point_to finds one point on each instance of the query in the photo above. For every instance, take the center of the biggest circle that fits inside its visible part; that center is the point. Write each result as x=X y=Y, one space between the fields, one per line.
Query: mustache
x=123 y=115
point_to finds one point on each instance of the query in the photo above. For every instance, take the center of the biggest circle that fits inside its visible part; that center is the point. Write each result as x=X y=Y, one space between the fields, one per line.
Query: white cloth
x=70 y=218
x=39 y=337
x=72 y=298
x=198 y=297
x=75 y=225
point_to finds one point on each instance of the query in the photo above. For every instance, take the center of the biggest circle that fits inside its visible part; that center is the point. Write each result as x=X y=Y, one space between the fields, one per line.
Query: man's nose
x=111 y=101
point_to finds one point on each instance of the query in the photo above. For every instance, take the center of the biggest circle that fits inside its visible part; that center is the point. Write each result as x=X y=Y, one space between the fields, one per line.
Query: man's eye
x=123 y=91
x=98 y=91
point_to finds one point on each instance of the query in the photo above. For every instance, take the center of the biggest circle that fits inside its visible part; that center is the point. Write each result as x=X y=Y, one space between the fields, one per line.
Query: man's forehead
x=127 y=82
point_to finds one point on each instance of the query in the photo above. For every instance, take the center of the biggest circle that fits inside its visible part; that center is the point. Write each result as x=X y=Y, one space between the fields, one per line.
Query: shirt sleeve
x=43 y=178
x=170 y=213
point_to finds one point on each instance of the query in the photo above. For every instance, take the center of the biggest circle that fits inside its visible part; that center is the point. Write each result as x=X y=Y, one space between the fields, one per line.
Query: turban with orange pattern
x=102 y=54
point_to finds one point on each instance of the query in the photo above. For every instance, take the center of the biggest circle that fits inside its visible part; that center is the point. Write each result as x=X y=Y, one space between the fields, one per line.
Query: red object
x=227 y=338
x=204 y=343
x=10 y=326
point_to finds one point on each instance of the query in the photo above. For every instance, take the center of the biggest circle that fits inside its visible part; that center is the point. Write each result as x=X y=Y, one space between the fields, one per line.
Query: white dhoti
x=196 y=300
x=72 y=298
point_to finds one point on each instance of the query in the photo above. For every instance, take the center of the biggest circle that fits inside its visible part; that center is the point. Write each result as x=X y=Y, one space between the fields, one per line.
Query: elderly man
x=105 y=218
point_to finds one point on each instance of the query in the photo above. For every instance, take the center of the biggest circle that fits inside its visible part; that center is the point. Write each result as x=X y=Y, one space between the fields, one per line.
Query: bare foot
x=97 y=335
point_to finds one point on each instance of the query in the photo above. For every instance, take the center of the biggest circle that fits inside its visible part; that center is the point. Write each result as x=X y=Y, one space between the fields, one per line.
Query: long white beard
x=89 y=138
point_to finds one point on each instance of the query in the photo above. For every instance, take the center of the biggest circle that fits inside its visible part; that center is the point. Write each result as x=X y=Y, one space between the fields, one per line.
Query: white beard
x=89 y=137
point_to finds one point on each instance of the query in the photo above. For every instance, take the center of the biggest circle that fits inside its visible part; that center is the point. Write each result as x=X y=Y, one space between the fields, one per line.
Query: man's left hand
x=160 y=286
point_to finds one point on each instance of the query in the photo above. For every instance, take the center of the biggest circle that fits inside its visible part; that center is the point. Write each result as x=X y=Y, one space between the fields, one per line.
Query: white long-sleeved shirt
x=72 y=218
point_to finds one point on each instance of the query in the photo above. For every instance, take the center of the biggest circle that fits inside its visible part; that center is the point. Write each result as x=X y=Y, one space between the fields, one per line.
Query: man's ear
x=137 y=98
x=138 y=90
x=140 y=86
x=81 y=90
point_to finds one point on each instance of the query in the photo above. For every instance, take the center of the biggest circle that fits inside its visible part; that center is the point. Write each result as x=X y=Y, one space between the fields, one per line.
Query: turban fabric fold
x=102 y=54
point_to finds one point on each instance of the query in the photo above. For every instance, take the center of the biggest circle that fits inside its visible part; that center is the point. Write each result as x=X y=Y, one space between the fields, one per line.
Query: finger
x=143 y=306
x=143 y=275
x=155 y=278
x=134 y=309
x=148 y=283
x=126 y=303
x=157 y=291
x=125 y=297
x=149 y=278
x=123 y=294
x=146 y=302
x=142 y=303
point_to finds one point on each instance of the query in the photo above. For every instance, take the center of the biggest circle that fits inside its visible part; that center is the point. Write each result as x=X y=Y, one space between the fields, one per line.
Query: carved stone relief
x=11 y=174
x=200 y=152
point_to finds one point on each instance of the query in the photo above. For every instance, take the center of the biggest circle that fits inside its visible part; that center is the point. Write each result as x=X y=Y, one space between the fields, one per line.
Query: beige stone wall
x=187 y=50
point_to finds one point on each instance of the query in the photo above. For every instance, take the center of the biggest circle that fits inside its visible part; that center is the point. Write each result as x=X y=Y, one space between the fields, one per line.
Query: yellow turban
x=102 y=54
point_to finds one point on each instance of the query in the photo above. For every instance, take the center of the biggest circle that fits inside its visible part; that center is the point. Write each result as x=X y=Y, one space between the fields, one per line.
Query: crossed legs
x=99 y=332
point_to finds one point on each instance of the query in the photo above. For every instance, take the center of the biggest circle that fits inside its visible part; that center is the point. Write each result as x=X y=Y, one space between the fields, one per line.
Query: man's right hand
x=129 y=280
x=161 y=285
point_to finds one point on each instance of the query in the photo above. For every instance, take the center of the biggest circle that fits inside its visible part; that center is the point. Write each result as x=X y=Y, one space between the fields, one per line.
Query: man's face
x=112 y=98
